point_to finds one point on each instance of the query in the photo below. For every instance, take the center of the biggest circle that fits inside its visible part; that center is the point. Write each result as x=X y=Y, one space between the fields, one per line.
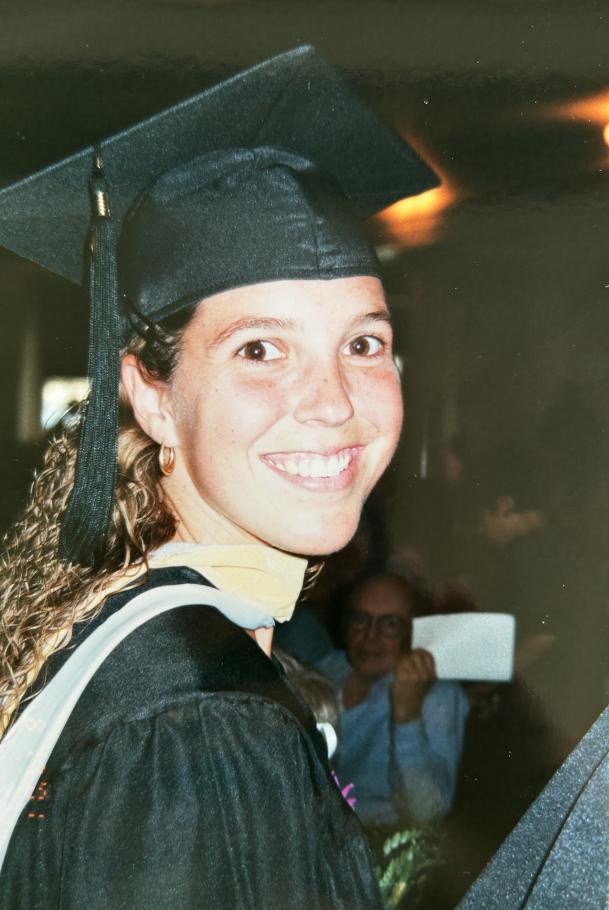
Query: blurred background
x=499 y=281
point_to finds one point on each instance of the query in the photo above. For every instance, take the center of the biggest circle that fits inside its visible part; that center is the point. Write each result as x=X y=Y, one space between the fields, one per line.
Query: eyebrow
x=374 y=316
x=251 y=322
x=272 y=322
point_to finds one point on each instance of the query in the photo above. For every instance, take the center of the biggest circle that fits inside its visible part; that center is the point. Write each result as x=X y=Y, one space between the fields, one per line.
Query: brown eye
x=365 y=346
x=259 y=350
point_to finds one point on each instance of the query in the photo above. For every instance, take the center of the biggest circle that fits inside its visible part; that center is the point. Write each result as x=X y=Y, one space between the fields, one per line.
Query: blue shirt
x=401 y=772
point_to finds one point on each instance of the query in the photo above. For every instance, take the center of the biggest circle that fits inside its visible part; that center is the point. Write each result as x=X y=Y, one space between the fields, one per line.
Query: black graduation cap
x=263 y=177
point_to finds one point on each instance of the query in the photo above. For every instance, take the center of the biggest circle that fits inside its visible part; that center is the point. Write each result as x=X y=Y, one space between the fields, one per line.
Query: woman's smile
x=317 y=471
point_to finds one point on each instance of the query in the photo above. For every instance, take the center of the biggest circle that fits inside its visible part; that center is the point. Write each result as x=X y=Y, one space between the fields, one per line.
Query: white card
x=468 y=645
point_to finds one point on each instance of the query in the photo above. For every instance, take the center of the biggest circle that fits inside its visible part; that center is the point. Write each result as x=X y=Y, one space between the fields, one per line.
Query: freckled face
x=287 y=409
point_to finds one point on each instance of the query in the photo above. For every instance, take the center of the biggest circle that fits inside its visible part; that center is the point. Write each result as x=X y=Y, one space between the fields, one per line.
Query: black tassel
x=85 y=524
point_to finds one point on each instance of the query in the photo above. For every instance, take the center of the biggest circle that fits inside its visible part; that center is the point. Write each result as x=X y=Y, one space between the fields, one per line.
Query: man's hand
x=414 y=674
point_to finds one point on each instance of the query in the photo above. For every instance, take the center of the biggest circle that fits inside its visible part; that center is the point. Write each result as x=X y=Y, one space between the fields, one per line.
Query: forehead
x=297 y=302
x=383 y=595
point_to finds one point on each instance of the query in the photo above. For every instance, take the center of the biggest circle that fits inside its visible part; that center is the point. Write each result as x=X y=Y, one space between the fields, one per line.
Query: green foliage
x=400 y=864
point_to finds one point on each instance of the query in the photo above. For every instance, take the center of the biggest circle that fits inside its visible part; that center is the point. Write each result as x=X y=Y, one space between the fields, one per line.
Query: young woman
x=261 y=406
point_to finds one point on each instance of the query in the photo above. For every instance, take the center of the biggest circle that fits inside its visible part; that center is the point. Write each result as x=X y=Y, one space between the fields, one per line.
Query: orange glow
x=594 y=109
x=415 y=221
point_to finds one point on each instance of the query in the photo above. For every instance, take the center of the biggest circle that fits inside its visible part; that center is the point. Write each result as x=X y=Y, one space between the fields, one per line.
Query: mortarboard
x=265 y=176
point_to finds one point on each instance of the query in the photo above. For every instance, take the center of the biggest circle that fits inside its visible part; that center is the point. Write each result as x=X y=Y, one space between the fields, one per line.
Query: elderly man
x=401 y=729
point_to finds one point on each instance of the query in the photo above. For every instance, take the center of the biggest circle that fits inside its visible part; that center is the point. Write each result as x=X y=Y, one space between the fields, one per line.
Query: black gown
x=557 y=857
x=190 y=775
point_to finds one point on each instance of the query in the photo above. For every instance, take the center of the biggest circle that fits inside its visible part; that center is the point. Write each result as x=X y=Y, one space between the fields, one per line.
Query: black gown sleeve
x=217 y=801
x=556 y=856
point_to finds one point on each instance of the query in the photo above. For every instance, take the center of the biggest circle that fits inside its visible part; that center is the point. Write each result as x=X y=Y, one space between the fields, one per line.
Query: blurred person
x=401 y=729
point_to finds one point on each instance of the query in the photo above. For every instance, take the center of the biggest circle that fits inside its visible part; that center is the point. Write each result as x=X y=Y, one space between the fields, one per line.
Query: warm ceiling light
x=414 y=221
x=594 y=109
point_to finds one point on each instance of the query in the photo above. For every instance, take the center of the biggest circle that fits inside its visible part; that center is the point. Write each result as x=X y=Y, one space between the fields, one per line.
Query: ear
x=150 y=402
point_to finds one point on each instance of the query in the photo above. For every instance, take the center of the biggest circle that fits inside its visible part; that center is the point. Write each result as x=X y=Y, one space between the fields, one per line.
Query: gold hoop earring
x=167 y=460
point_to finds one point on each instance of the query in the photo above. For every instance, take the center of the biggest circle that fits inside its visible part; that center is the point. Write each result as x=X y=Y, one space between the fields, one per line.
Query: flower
x=345 y=790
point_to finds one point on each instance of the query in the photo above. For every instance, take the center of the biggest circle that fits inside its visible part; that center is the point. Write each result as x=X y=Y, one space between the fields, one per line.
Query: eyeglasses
x=387 y=625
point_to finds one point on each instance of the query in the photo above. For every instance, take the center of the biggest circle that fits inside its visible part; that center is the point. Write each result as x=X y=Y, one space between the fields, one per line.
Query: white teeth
x=318 y=467
x=290 y=465
x=313 y=465
x=333 y=466
x=304 y=469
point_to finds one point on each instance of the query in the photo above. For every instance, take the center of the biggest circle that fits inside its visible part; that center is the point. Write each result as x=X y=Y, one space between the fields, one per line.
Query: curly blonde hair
x=41 y=597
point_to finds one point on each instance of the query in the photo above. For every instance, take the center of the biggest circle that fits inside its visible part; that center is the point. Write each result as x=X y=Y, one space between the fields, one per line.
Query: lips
x=316 y=470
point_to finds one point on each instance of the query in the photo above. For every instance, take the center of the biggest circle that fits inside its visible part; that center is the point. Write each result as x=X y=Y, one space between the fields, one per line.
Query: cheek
x=393 y=651
x=225 y=417
x=353 y=639
x=249 y=408
x=395 y=404
x=380 y=401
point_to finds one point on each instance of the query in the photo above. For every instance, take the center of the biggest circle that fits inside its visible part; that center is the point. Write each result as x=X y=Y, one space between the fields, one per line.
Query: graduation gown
x=189 y=775
x=557 y=857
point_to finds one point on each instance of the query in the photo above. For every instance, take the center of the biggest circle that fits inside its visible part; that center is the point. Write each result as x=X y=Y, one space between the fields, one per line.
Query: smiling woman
x=262 y=404
x=308 y=413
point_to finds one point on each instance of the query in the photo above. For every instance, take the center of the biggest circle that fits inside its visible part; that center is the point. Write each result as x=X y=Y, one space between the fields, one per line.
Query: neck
x=263 y=638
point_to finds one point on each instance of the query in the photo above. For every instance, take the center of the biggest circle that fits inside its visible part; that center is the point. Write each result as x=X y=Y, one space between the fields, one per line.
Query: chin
x=371 y=672
x=320 y=540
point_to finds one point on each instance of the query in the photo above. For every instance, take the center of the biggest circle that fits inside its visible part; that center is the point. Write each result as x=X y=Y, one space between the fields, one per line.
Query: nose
x=324 y=396
x=372 y=631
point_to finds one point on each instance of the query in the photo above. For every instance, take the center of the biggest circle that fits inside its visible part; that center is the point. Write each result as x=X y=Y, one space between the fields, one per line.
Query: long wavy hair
x=41 y=598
